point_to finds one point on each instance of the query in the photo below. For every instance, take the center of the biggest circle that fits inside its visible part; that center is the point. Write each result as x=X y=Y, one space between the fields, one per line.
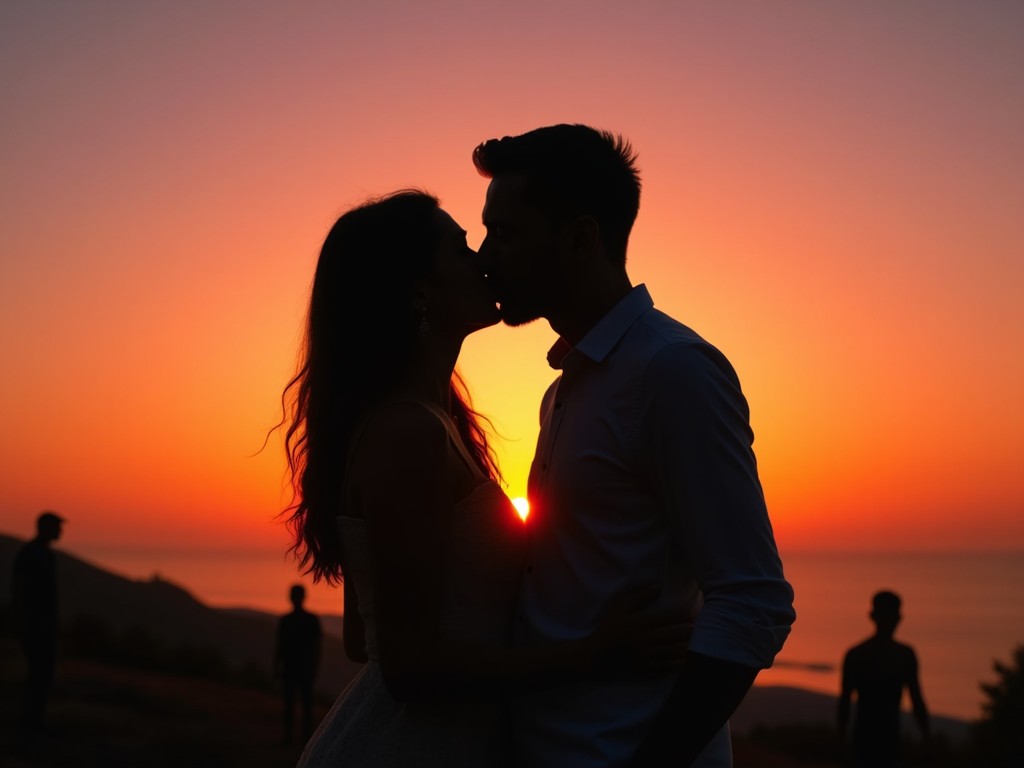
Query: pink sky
x=832 y=195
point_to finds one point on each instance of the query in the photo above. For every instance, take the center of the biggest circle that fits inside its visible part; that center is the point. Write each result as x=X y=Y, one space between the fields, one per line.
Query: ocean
x=961 y=611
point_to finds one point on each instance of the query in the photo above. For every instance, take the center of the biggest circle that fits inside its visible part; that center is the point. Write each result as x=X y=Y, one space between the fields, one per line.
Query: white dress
x=367 y=726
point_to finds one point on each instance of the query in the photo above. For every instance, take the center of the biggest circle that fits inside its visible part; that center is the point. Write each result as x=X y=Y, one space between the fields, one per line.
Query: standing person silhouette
x=34 y=595
x=296 y=661
x=878 y=670
x=644 y=471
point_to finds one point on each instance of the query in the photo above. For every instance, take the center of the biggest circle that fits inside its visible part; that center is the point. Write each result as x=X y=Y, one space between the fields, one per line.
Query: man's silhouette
x=34 y=595
x=644 y=471
x=296 y=659
x=878 y=670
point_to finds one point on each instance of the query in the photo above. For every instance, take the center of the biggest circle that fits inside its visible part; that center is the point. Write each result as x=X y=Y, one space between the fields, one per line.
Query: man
x=34 y=595
x=643 y=472
x=296 y=659
x=878 y=670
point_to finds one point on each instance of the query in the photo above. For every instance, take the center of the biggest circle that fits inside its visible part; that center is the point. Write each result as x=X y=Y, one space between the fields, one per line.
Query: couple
x=625 y=621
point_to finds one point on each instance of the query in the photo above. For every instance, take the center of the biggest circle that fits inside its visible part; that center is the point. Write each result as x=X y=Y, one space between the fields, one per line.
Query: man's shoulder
x=301 y=618
x=667 y=350
x=667 y=329
x=658 y=335
x=860 y=650
x=905 y=650
x=29 y=554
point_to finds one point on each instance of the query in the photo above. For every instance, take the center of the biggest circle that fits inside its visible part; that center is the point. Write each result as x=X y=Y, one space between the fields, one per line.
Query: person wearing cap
x=34 y=595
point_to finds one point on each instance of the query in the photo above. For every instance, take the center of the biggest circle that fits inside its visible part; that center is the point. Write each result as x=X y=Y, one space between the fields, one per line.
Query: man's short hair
x=48 y=518
x=572 y=170
x=886 y=602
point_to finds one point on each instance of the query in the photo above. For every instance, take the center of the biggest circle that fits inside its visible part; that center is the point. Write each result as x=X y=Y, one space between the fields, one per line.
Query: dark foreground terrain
x=149 y=676
x=104 y=715
x=114 y=717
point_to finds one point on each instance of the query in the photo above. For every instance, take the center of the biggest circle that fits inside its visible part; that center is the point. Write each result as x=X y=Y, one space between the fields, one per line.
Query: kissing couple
x=623 y=623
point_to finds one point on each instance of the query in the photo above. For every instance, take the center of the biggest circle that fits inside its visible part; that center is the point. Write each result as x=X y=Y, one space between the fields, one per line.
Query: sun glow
x=522 y=506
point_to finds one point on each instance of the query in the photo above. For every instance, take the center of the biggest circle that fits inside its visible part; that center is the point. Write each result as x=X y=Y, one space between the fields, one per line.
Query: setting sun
x=522 y=506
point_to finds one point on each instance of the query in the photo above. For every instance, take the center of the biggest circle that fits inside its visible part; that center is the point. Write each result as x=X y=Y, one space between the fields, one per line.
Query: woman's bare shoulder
x=408 y=419
x=404 y=436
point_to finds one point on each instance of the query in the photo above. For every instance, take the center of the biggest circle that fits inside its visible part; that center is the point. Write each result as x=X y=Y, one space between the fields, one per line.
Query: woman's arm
x=400 y=486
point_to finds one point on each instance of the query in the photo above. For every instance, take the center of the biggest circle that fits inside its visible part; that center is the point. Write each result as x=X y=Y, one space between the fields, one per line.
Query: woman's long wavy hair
x=352 y=358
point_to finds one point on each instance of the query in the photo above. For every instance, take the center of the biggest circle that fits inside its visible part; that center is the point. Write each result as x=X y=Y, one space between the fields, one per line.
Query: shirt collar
x=602 y=338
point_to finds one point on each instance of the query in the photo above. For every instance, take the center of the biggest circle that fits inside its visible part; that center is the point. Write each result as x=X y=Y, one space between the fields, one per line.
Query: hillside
x=97 y=696
x=170 y=616
x=106 y=716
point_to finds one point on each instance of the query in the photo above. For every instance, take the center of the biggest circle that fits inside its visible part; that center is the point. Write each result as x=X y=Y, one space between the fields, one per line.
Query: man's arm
x=17 y=594
x=917 y=700
x=697 y=443
x=845 y=696
x=703 y=699
x=279 y=648
x=920 y=710
x=21 y=583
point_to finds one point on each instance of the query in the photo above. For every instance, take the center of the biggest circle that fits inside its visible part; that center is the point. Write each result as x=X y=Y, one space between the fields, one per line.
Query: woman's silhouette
x=396 y=496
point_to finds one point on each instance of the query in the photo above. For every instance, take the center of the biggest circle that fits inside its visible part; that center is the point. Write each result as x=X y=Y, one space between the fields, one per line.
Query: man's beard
x=517 y=317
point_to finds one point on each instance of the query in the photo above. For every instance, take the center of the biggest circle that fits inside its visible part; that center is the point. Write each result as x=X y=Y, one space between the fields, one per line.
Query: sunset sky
x=833 y=195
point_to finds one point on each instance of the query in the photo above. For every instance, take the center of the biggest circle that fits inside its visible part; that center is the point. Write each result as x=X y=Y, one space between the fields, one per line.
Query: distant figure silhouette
x=878 y=670
x=34 y=595
x=296 y=659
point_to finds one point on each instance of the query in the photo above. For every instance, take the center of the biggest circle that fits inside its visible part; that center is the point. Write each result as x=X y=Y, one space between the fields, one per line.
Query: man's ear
x=581 y=238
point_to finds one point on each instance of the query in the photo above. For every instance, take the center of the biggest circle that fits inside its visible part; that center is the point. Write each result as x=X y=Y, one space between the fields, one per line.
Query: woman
x=397 y=498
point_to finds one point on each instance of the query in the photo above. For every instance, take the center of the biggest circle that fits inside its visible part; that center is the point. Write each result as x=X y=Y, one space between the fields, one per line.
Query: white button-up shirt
x=644 y=473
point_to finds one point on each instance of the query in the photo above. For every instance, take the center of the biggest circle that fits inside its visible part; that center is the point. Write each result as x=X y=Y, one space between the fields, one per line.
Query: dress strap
x=454 y=437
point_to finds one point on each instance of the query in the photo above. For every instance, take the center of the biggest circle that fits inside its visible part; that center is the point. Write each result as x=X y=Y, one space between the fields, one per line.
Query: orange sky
x=832 y=195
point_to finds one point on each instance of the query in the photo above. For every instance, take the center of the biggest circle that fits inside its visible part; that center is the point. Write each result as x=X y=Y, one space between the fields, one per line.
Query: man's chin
x=514 y=321
x=516 y=316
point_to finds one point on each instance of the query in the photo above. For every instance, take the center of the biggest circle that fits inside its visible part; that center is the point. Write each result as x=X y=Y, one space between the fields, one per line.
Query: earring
x=423 y=329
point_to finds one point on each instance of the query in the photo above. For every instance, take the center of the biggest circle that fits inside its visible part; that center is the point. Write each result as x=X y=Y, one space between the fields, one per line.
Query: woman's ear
x=420 y=307
x=421 y=294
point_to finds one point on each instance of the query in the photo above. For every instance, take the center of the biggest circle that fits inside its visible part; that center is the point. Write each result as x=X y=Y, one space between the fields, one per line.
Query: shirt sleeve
x=696 y=441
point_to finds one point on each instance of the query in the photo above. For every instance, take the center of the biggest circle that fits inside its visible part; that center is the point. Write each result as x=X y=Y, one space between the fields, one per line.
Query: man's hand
x=705 y=696
x=632 y=638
